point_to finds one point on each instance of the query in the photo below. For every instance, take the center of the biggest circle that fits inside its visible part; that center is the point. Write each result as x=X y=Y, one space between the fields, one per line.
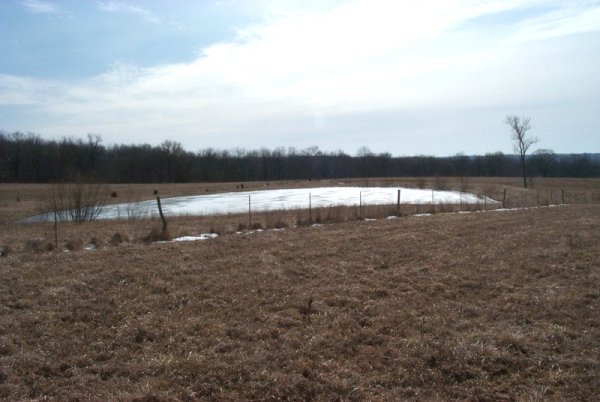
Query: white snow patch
x=90 y=247
x=203 y=236
x=392 y=217
x=370 y=219
x=422 y=215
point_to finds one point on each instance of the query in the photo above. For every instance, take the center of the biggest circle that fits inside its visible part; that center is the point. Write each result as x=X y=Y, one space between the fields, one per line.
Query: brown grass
x=484 y=306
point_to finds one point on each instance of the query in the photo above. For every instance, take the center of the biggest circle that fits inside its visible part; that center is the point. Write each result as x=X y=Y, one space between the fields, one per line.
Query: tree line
x=30 y=158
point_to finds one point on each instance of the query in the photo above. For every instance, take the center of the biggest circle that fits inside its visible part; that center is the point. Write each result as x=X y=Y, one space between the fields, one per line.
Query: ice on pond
x=282 y=199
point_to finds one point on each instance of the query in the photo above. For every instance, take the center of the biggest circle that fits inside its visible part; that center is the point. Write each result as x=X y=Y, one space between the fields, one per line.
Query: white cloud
x=38 y=6
x=123 y=7
x=558 y=23
x=303 y=73
x=19 y=91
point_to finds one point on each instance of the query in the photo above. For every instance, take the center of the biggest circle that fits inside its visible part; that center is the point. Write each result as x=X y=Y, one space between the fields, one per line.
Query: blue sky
x=401 y=76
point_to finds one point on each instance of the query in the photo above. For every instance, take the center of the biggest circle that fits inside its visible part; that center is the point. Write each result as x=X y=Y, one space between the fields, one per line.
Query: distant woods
x=29 y=158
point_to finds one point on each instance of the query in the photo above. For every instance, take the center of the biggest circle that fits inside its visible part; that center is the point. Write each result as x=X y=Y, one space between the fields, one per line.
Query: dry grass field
x=498 y=305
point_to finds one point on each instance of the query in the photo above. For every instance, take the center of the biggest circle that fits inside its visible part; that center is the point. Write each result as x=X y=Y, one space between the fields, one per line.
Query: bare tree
x=521 y=141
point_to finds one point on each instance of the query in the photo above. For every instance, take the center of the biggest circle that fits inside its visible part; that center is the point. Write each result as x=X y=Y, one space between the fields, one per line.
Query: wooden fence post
x=504 y=200
x=55 y=229
x=398 y=204
x=249 y=212
x=360 y=204
x=309 y=207
x=162 y=216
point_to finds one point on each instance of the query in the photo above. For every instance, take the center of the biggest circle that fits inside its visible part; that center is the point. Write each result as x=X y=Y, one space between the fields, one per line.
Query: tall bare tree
x=521 y=141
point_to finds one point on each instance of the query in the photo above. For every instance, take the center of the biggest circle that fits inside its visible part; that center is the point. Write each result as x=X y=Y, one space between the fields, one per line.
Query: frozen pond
x=268 y=200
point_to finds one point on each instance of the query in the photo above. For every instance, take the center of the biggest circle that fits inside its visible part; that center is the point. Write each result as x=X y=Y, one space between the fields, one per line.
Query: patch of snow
x=316 y=225
x=422 y=215
x=89 y=247
x=370 y=219
x=203 y=236
x=392 y=217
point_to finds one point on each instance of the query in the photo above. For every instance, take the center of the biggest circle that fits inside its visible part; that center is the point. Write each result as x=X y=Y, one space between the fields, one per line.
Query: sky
x=408 y=77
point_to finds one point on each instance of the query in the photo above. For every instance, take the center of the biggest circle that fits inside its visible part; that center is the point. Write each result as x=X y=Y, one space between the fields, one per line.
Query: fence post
x=162 y=216
x=309 y=207
x=360 y=204
x=562 y=192
x=55 y=229
x=249 y=212
x=398 y=204
x=504 y=200
x=484 y=201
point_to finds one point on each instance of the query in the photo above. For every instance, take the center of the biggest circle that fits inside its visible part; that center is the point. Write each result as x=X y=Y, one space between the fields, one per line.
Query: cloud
x=559 y=23
x=123 y=7
x=40 y=7
x=308 y=73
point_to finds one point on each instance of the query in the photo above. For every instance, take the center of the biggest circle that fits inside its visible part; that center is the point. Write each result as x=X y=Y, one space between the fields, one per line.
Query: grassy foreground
x=480 y=306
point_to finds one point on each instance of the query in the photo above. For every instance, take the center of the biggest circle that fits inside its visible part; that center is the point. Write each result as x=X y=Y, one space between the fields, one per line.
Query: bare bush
x=78 y=202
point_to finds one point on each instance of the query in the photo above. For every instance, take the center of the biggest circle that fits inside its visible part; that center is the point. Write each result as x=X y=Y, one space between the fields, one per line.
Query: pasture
x=487 y=305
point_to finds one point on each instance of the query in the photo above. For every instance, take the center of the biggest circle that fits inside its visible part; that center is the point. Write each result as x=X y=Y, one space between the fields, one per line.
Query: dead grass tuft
x=256 y=226
x=74 y=244
x=5 y=251
x=118 y=238
x=96 y=242
x=157 y=234
x=37 y=246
